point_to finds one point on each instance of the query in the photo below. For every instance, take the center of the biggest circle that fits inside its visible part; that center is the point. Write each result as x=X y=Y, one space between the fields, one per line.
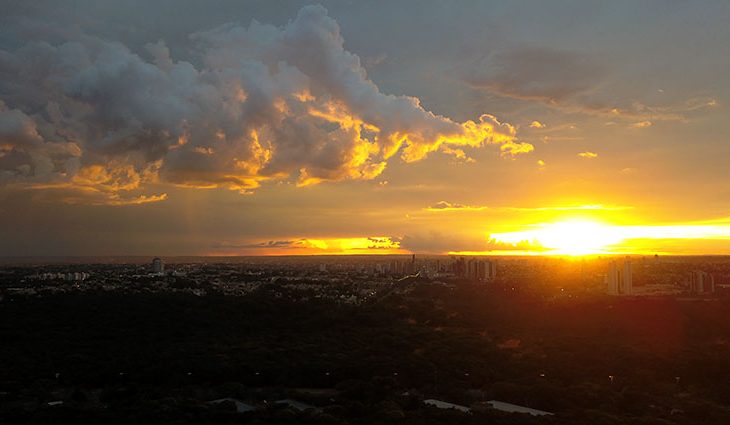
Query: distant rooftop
x=241 y=407
x=446 y=405
x=513 y=408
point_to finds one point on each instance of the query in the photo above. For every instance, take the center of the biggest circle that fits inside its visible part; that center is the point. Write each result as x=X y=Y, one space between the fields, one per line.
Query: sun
x=567 y=237
x=577 y=237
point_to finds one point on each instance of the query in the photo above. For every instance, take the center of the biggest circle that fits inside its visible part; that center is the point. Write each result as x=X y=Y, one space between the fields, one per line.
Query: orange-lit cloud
x=516 y=148
x=299 y=108
x=588 y=154
x=448 y=206
x=443 y=206
x=313 y=246
x=641 y=124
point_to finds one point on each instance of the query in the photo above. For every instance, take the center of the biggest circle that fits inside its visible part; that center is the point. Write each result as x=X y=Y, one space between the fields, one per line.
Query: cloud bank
x=571 y=81
x=249 y=104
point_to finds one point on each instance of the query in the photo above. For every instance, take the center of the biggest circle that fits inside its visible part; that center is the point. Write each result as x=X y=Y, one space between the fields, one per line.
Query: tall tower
x=628 y=282
x=492 y=269
x=702 y=282
x=613 y=278
x=158 y=266
x=620 y=280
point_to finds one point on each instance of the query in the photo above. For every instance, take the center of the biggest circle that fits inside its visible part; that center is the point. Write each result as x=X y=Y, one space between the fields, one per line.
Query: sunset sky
x=186 y=127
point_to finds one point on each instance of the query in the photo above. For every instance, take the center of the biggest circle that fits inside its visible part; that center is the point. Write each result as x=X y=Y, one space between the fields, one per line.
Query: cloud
x=536 y=73
x=438 y=243
x=644 y=114
x=600 y=207
x=69 y=193
x=589 y=155
x=459 y=154
x=515 y=148
x=569 y=80
x=286 y=244
x=353 y=245
x=641 y=124
x=442 y=206
x=537 y=124
x=448 y=206
x=248 y=104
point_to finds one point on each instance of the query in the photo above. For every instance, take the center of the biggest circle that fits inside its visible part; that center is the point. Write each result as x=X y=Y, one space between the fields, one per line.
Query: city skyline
x=250 y=128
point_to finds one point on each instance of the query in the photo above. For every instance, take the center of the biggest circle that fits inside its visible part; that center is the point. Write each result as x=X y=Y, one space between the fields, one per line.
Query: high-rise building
x=620 y=279
x=628 y=279
x=475 y=269
x=701 y=282
x=491 y=270
x=158 y=266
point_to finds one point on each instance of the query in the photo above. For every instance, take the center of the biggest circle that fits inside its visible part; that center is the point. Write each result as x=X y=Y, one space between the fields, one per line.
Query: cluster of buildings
x=620 y=281
x=360 y=279
x=473 y=268
x=701 y=283
x=74 y=276
x=620 y=278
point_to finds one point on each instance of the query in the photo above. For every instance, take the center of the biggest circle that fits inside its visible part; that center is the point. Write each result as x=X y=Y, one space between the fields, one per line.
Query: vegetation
x=158 y=358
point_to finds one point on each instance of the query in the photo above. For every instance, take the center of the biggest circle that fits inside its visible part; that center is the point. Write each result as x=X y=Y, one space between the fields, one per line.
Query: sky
x=293 y=127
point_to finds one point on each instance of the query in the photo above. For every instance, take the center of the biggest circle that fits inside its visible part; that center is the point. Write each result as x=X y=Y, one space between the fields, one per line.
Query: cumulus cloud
x=249 y=104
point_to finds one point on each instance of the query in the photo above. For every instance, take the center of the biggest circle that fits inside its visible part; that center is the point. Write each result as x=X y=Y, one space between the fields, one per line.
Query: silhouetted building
x=158 y=266
x=476 y=269
x=701 y=283
x=620 y=279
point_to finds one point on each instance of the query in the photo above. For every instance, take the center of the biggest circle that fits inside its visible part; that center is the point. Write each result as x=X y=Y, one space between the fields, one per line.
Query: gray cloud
x=259 y=245
x=437 y=242
x=569 y=80
x=537 y=73
x=250 y=104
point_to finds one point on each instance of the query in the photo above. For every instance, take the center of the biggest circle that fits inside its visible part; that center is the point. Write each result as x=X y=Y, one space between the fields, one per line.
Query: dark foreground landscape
x=163 y=357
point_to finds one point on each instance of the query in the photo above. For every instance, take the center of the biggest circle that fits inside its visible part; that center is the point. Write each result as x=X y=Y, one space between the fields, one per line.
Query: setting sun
x=568 y=237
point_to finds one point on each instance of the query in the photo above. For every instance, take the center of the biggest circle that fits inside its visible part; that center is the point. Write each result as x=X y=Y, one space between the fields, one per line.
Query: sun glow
x=587 y=237
x=569 y=237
